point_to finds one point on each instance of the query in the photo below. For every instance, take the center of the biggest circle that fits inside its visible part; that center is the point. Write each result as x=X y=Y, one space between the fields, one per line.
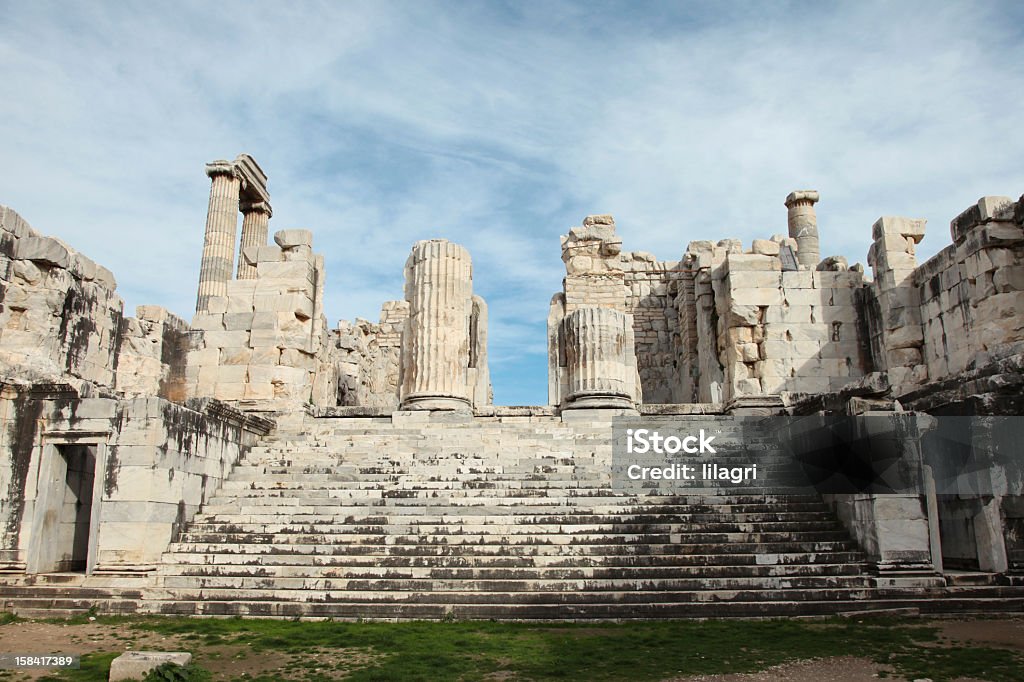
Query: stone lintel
x=253 y=178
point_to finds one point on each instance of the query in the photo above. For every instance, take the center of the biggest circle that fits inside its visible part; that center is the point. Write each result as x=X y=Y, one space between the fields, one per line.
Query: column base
x=590 y=401
x=436 y=402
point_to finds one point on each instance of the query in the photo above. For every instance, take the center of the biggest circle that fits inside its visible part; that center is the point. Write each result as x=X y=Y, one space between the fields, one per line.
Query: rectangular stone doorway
x=66 y=496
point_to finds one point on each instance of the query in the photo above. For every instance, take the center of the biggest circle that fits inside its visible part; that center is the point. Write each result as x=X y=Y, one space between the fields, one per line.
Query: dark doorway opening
x=74 y=506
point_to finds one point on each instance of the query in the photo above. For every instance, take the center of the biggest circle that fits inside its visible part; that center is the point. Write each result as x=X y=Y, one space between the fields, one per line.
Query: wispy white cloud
x=499 y=126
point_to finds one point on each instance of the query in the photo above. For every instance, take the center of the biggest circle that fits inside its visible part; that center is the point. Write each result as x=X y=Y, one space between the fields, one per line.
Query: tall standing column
x=255 y=224
x=221 y=226
x=439 y=288
x=596 y=348
x=803 y=226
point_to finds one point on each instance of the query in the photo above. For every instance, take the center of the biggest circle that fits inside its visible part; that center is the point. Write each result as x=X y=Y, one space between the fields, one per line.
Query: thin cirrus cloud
x=499 y=125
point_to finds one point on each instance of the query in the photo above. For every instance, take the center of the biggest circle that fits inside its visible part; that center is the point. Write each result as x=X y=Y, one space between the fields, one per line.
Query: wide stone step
x=623 y=526
x=304 y=503
x=336 y=588
x=440 y=512
x=175 y=560
x=694 y=537
x=499 y=549
x=528 y=575
x=830 y=604
x=488 y=519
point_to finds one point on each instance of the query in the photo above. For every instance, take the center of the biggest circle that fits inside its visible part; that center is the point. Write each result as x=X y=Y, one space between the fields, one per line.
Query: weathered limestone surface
x=369 y=358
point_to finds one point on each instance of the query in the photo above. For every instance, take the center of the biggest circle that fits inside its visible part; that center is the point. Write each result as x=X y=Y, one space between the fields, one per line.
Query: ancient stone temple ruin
x=255 y=460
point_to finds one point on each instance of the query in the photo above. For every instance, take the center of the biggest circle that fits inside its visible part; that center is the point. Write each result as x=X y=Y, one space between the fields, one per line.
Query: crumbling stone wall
x=972 y=292
x=62 y=321
x=153 y=350
x=60 y=317
x=369 y=358
x=258 y=346
x=649 y=299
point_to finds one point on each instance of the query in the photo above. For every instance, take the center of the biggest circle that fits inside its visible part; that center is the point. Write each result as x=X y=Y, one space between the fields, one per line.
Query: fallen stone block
x=133 y=665
x=288 y=239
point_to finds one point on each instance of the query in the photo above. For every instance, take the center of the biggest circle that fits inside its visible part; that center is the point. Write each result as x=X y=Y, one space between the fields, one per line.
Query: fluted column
x=221 y=226
x=596 y=346
x=439 y=288
x=803 y=226
x=255 y=224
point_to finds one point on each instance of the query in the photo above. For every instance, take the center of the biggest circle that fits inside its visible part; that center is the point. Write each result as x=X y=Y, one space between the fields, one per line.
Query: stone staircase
x=497 y=518
x=421 y=516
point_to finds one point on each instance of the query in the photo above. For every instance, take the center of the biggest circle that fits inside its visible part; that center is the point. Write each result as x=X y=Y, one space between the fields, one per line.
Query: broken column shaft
x=803 y=226
x=439 y=288
x=596 y=348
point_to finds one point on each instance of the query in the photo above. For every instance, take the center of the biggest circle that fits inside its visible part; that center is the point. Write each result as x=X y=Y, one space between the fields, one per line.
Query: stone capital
x=220 y=167
x=802 y=196
x=256 y=207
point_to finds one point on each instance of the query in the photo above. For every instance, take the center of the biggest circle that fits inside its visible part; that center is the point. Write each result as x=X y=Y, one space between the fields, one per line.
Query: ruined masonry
x=256 y=461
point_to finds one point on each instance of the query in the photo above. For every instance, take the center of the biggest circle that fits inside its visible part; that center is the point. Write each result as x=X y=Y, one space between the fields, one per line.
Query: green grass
x=633 y=651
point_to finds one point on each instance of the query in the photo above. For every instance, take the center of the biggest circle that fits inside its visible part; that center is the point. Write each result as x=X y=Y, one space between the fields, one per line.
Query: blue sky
x=499 y=125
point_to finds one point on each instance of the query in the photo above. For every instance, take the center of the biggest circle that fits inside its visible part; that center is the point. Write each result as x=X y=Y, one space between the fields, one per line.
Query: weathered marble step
x=59 y=591
x=258 y=480
x=304 y=502
x=257 y=588
x=593 y=538
x=830 y=604
x=647 y=547
x=505 y=528
x=68 y=607
x=560 y=560
x=422 y=509
x=440 y=513
x=528 y=575
x=522 y=519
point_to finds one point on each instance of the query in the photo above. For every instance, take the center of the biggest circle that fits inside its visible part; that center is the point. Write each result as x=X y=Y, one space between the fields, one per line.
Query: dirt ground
x=231 y=661
x=997 y=633
x=224 y=661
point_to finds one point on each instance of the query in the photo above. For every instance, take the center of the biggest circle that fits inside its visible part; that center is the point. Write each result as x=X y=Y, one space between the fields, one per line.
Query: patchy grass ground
x=267 y=651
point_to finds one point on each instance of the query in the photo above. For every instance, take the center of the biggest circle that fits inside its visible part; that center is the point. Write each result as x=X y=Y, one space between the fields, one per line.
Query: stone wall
x=152 y=463
x=972 y=292
x=61 y=316
x=258 y=346
x=152 y=354
x=62 y=321
x=649 y=299
x=369 y=358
